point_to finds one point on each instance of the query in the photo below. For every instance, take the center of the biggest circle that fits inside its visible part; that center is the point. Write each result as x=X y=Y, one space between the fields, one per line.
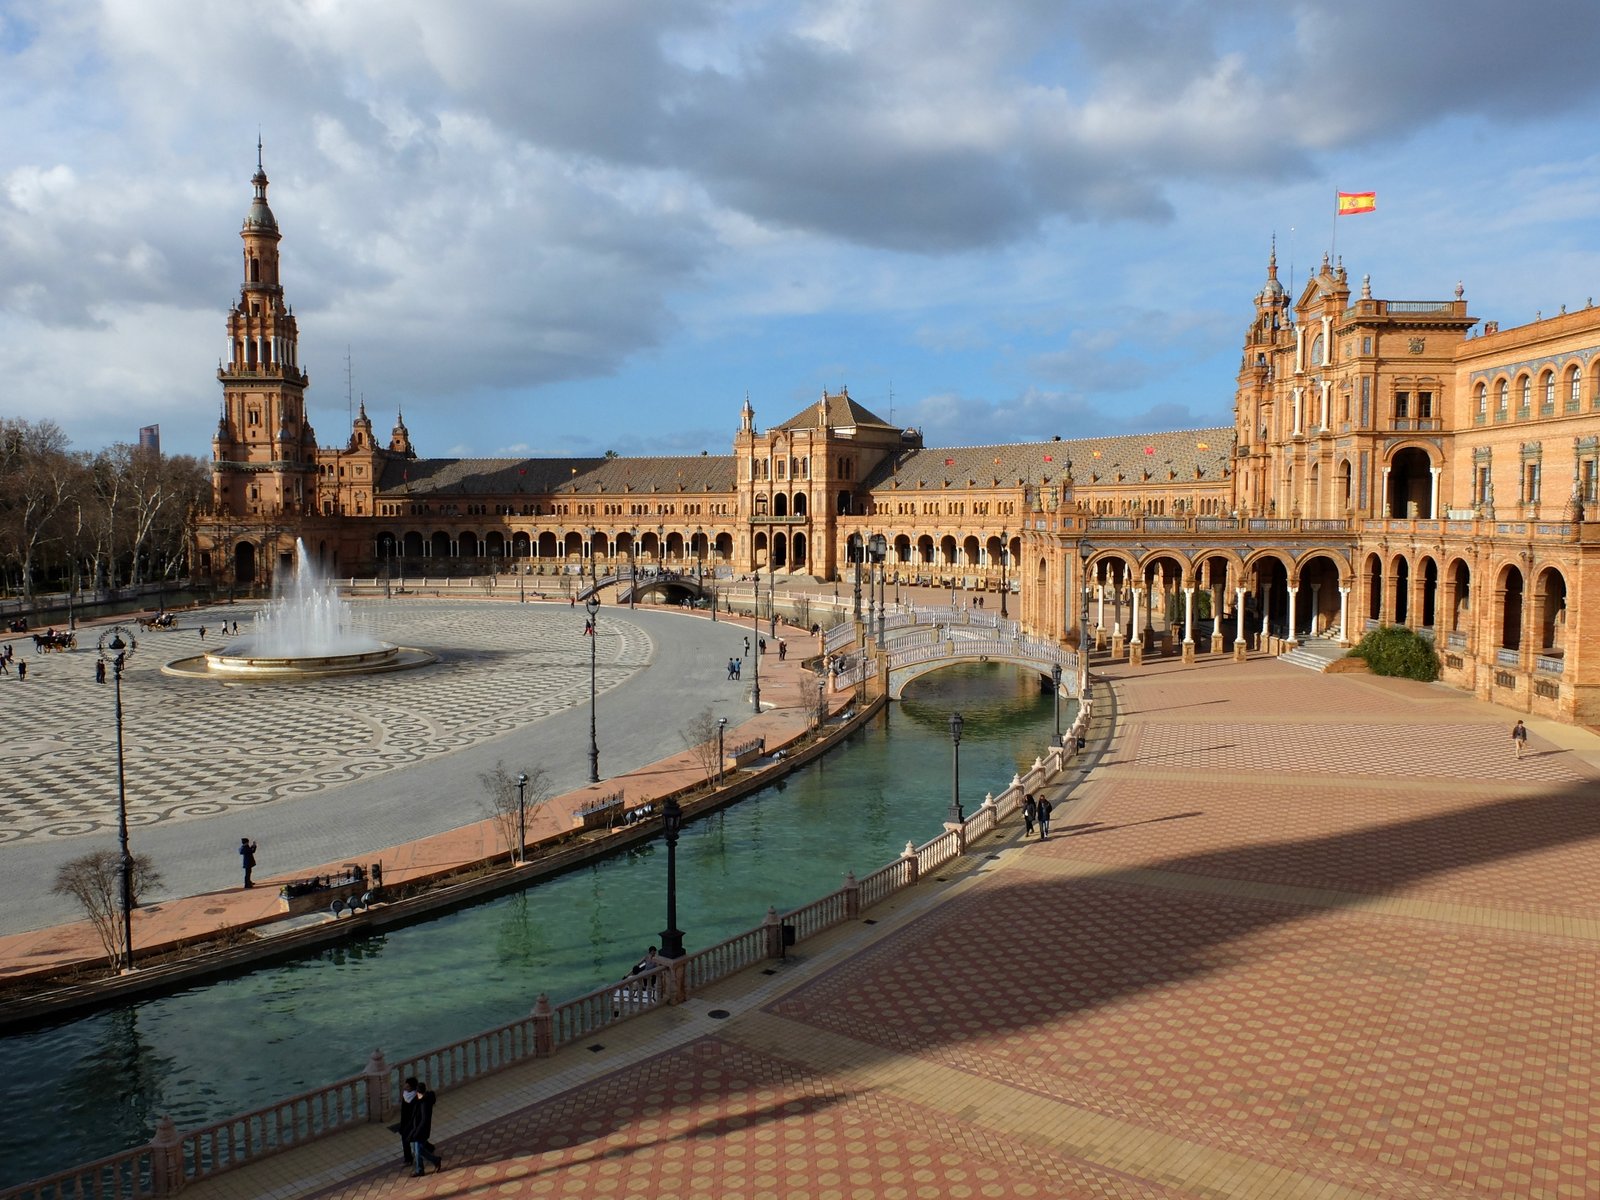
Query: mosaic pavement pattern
x=195 y=748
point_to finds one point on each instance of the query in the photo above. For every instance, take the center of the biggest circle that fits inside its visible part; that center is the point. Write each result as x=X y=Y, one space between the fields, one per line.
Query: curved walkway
x=1295 y=935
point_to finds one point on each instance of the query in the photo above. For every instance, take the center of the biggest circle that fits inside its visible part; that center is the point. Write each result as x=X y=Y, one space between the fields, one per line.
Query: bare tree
x=817 y=700
x=94 y=880
x=700 y=736
x=512 y=808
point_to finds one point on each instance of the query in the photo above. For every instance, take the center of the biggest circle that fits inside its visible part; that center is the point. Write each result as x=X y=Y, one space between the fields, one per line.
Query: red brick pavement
x=1297 y=936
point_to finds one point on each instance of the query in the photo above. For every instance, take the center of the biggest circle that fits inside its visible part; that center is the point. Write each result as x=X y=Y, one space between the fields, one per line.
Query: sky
x=569 y=226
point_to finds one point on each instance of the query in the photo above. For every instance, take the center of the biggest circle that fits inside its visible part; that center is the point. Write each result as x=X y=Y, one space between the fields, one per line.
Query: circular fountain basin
x=240 y=661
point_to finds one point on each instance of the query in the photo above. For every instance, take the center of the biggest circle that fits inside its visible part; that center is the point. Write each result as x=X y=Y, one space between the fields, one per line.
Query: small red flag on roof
x=1149 y=449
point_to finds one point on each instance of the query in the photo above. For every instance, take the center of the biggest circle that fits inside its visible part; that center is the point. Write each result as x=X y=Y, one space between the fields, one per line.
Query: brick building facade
x=1385 y=465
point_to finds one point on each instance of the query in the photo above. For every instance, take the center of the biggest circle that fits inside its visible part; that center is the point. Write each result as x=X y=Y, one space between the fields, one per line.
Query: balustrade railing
x=172 y=1161
x=1546 y=665
x=1507 y=658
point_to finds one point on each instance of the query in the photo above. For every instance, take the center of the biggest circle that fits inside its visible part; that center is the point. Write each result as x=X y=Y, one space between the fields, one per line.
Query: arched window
x=1527 y=395
x=1574 y=389
x=1483 y=401
x=1549 y=390
x=1505 y=399
x=1316 y=350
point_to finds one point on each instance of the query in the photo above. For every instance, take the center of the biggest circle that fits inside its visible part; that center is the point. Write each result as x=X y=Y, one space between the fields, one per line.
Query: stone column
x=1344 y=613
x=1433 y=493
x=1136 y=642
x=1316 y=610
x=1238 y=615
x=1188 y=624
x=1383 y=497
x=1292 y=640
x=1296 y=394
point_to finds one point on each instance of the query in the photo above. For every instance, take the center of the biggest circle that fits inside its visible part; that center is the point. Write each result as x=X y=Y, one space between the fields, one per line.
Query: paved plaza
x=337 y=767
x=1294 y=935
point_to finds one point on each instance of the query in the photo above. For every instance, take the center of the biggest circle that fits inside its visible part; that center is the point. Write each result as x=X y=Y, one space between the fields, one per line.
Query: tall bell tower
x=264 y=457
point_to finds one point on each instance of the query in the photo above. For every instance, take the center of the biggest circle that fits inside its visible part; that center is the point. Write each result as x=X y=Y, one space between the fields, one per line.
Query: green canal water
x=96 y=1085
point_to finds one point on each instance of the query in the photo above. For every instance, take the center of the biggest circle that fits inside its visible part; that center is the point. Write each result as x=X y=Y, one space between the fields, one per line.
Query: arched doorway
x=440 y=545
x=244 y=563
x=1410 y=485
x=1461 y=607
x=1430 y=593
x=1552 y=613
x=797 y=554
x=780 y=551
x=1317 y=601
x=1401 y=574
x=1374 y=574
x=1511 y=609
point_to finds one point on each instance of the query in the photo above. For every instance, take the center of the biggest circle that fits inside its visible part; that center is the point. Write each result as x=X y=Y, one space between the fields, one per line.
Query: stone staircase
x=1314 y=654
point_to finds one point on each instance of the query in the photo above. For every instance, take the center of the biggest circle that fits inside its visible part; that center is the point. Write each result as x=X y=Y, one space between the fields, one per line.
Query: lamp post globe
x=592 y=607
x=955 y=816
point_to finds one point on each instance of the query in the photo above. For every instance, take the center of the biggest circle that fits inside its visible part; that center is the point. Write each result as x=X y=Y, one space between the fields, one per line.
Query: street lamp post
x=1084 y=551
x=772 y=604
x=1005 y=586
x=722 y=724
x=878 y=547
x=122 y=644
x=633 y=568
x=858 y=552
x=672 y=936
x=822 y=699
x=955 y=817
x=592 y=607
x=522 y=818
x=1055 y=687
x=755 y=628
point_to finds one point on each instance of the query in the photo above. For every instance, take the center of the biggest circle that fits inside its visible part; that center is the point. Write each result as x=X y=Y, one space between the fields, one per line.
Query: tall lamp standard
x=772 y=604
x=722 y=724
x=633 y=568
x=522 y=818
x=755 y=628
x=857 y=552
x=1005 y=586
x=1084 y=551
x=878 y=547
x=592 y=607
x=1055 y=688
x=955 y=817
x=672 y=936
x=121 y=644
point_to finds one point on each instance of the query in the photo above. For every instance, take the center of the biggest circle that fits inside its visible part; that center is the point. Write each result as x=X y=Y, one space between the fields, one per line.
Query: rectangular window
x=1480 y=493
x=1402 y=404
x=1531 y=494
x=1591 y=480
x=1366 y=401
x=1366 y=345
x=1424 y=405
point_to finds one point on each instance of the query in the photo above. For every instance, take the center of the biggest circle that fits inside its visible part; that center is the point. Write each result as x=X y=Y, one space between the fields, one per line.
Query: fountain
x=305 y=632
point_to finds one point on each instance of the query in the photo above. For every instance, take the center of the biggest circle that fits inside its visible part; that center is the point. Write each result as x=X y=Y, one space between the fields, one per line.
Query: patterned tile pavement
x=508 y=666
x=1294 y=936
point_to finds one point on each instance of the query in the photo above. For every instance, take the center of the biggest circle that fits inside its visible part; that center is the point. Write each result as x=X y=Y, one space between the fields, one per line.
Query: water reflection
x=97 y=1084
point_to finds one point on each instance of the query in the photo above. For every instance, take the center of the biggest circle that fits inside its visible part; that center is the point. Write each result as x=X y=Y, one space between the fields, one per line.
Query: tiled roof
x=1165 y=455
x=545 y=476
x=835 y=412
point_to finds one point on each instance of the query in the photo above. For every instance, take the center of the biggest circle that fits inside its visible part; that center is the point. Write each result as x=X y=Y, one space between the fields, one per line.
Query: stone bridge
x=664 y=589
x=944 y=646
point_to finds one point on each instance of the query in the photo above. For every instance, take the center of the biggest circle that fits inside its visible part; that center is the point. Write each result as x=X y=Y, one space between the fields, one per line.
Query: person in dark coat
x=420 y=1129
x=408 y=1111
x=1030 y=810
x=1044 y=809
x=247 y=858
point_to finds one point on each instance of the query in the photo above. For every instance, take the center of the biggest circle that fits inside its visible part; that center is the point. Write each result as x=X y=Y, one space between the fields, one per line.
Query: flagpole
x=1333 y=242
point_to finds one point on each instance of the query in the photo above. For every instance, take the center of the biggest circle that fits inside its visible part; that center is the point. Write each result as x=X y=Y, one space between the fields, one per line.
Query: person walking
x=1030 y=810
x=1519 y=737
x=247 y=857
x=422 y=1129
x=1044 y=808
x=99 y=670
x=22 y=669
x=733 y=669
x=408 y=1115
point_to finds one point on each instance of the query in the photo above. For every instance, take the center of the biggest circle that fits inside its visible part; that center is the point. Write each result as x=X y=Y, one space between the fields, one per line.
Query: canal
x=94 y=1086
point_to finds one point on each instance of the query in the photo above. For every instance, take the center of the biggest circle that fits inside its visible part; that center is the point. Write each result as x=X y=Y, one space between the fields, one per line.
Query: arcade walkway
x=1296 y=935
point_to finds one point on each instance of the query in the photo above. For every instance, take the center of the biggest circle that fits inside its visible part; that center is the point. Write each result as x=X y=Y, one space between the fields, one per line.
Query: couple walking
x=416 y=1125
x=1036 y=810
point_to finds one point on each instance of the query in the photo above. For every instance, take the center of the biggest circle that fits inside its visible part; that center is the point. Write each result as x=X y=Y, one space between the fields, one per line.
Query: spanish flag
x=1351 y=203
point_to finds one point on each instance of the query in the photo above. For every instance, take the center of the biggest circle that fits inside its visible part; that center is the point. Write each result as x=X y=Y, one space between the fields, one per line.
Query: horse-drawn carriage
x=50 y=640
x=162 y=620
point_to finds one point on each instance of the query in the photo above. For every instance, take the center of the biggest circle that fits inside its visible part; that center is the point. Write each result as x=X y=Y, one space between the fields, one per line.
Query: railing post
x=544 y=1041
x=909 y=857
x=773 y=929
x=852 y=896
x=376 y=1077
x=166 y=1160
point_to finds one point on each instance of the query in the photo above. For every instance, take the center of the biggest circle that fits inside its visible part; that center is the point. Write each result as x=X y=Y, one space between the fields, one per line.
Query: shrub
x=1397 y=651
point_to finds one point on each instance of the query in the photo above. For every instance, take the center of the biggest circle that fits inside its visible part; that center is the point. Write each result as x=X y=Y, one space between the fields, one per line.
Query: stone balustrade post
x=376 y=1077
x=773 y=927
x=909 y=857
x=852 y=896
x=166 y=1160
x=544 y=1038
